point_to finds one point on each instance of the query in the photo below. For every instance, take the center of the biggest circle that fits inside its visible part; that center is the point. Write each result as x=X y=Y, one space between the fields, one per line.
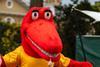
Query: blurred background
x=74 y=18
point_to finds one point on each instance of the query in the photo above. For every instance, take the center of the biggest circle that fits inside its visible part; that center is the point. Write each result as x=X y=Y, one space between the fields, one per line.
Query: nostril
x=52 y=38
x=40 y=23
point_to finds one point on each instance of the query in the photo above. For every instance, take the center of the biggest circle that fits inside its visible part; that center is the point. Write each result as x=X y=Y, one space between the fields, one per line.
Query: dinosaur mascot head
x=39 y=36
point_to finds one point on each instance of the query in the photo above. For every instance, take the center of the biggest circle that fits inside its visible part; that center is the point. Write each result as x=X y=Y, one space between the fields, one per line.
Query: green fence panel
x=91 y=47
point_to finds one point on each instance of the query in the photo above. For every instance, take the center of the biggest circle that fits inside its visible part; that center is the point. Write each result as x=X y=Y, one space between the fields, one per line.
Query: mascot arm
x=67 y=62
x=12 y=59
x=79 y=64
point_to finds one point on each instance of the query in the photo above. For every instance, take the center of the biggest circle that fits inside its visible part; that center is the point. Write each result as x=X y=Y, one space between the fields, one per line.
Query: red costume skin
x=40 y=38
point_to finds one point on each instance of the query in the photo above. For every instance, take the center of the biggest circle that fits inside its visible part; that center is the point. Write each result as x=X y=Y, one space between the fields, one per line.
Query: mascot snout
x=42 y=38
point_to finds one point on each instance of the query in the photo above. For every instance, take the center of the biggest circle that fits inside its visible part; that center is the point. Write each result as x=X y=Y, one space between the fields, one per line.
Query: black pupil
x=35 y=14
x=47 y=14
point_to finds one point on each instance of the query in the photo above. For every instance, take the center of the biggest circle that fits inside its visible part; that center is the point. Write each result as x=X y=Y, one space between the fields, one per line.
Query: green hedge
x=9 y=37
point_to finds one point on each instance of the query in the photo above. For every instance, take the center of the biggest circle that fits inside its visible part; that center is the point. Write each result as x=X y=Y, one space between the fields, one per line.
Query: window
x=9 y=20
x=9 y=3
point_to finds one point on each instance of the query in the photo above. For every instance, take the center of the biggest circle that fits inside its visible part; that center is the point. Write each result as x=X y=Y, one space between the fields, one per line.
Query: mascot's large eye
x=47 y=15
x=35 y=15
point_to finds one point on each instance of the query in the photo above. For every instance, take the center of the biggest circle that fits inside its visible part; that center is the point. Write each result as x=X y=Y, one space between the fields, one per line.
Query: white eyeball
x=35 y=15
x=47 y=15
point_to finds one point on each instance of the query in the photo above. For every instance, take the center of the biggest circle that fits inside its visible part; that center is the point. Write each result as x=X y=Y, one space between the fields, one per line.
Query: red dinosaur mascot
x=41 y=45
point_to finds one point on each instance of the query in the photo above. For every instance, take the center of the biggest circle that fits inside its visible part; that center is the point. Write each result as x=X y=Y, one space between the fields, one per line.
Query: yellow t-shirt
x=20 y=59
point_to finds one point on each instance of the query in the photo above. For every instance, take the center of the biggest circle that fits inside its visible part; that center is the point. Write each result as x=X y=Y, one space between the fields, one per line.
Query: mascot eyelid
x=35 y=15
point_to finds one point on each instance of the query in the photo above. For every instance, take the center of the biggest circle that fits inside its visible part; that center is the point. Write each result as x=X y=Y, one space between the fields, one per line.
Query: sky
x=69 y=1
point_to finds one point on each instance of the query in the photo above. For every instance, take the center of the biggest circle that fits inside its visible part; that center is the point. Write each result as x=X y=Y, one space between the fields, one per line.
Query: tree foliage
x=9 y=37
x=96 y=7
x=84 y=5
x=70 y=23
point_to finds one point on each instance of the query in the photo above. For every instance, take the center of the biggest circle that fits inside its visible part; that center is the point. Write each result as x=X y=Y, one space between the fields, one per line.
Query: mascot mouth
x=42 y=50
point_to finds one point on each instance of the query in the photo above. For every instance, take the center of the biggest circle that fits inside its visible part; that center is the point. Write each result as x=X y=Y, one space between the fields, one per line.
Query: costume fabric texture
x=21 y=59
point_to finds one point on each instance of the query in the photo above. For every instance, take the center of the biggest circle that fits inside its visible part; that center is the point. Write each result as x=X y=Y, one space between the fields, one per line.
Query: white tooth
x=43 y=51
